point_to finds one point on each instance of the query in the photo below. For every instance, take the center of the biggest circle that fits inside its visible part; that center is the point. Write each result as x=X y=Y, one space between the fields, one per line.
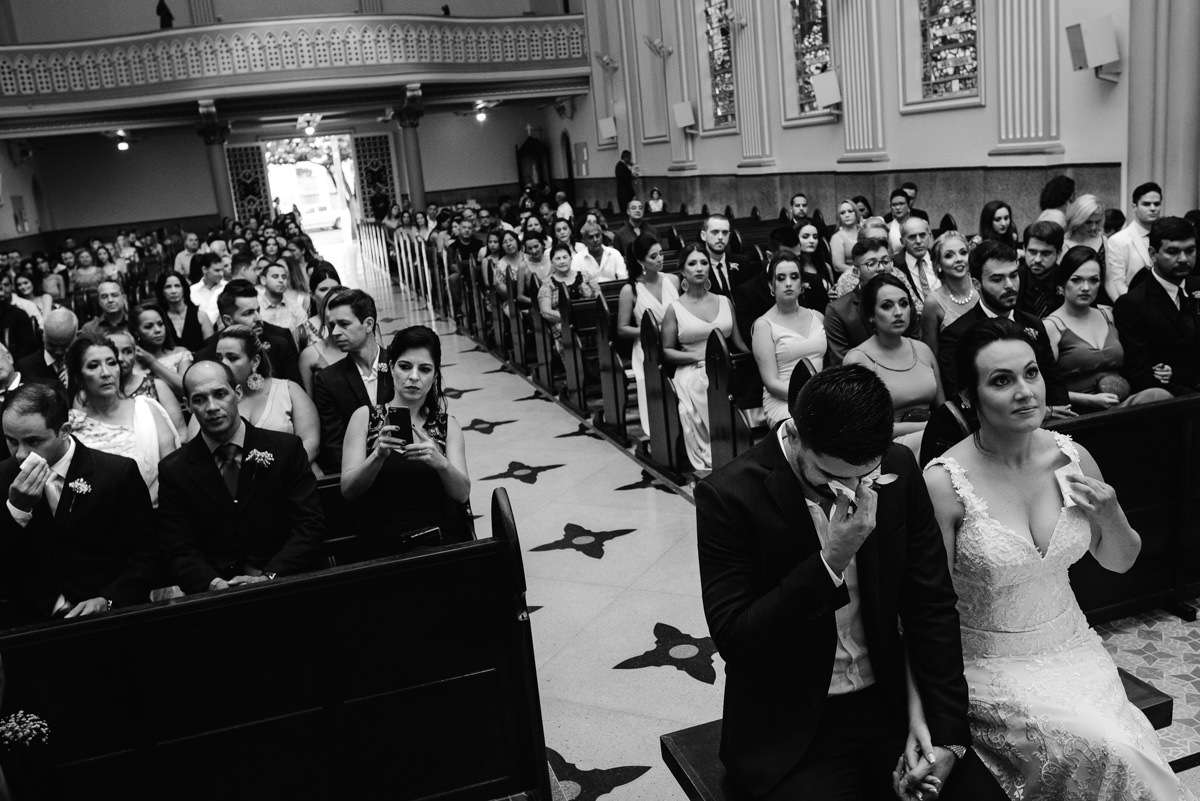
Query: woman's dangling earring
x=682 y=285
x=707 y=284
x=255 y=381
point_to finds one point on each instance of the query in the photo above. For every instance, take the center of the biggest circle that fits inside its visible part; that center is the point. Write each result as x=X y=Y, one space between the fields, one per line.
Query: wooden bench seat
x=692 y=754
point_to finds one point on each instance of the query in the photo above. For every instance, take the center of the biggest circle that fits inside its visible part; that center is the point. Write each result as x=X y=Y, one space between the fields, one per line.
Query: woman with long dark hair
x=996 y=222
x=187 y=324
x=649 y=291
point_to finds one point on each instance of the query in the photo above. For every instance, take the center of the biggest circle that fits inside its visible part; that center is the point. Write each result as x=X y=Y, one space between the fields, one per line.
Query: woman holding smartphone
x=404 y=463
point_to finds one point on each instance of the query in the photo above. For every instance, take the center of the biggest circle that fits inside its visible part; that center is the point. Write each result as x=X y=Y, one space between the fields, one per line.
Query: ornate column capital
x=213 y=133
x=411 y=108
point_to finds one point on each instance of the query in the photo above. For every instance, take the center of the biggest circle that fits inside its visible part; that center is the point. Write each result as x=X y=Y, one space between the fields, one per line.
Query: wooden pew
x=497 y=289
x=580 y=352
x=543 y=346
x=662 y=405
x=615 y=384
x=366 y=681
x=515 y=322
x=734 y=390
x=692 y=754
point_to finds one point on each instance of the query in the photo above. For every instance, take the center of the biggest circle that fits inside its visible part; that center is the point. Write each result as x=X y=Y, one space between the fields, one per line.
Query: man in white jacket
x=1128 y=250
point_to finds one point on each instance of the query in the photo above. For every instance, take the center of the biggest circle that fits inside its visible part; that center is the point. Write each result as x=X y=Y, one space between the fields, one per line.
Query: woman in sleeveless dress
x=906 y=366
x=190 y=330
x=1048 y=712
x=579 y=287
x=1085 y=341
x=105 y=419
x=157 y=349
x=275 y=404
x=787 y=333
x=843 y=239
x=649 y=291
x=957 y=294
x=396 y=486
x=138 y=381
x=686 y=325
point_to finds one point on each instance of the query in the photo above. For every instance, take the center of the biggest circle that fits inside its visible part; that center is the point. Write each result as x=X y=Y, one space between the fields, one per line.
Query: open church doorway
x=315 y=177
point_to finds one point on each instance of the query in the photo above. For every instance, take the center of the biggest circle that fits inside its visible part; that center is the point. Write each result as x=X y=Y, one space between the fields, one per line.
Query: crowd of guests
x=192 y=427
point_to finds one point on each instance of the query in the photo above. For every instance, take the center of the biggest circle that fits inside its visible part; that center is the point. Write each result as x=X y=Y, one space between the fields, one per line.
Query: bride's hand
x=1097 y=499
x=921 y=785
x=918 y=746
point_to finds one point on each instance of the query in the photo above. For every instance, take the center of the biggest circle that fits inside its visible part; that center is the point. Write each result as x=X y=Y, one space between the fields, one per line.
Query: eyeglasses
x=871 y=264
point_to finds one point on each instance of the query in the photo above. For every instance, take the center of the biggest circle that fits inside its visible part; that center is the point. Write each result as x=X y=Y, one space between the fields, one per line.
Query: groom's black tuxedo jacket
x=770 y=607
x=99 y=543
x=275 y=525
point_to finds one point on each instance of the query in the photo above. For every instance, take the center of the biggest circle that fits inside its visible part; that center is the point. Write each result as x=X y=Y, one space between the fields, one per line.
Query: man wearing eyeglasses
x=844 y=327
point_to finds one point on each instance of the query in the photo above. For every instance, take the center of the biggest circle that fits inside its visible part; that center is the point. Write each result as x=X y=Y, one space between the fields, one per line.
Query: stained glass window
x=720 y=61
x=810 y=36
x=949 y=54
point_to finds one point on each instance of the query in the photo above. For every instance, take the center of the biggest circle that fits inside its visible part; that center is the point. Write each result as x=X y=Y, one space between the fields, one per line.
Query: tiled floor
x=622 y=649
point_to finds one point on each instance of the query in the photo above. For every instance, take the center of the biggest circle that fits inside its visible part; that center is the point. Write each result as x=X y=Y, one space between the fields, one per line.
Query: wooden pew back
x=734 y=388
x=662 y=405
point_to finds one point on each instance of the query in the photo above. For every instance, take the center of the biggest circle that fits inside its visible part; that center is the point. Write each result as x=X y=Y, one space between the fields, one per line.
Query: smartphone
x=401 y=419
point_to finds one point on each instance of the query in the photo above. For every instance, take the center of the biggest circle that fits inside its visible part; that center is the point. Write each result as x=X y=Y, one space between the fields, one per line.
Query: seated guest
x=802 y=590
x=913 y=266
x=10 y=379
x=204 y=292
x=238 y=305
x=243 y=265
x=956 y=295
x=239 y=503
x=649 y=291
x=138 y=380
x=48 y=363
x=16 y=327
x=323 y=280
x=361 y=378
x=280 y=305
x=1085 y=225
x=158 y=349
x=686 y=326
x=996 y=272
x=106 y=420
x=1085 y=341
x=844 y=328
x=1056 y=196
x=841 y=242
x=635 y=226
x=1157 y=316
x=1129 y=248
x=86 y=275
x=1040 y=293
x=40 y=302
x=579 y=285
x=906 y=366
x=787 y=333
x=598 y=261
x=113 y=315
x=996 y=222
x=535 y=270
x=77 y=537
x=399 y=485
x=321 y=351
x=184 y=316
x=272 y=404
x=7 y=285
x=815 y=268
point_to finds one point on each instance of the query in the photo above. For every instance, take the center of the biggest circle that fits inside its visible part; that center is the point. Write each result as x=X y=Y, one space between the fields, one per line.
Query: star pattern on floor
x=485 y=426
x=503 y=368
x=584 y=430
x=587 y=542
x=673 y=648
x=476 y=349
x=522 y=472
x=455 y=394
x=535 y=396
x=589 y=785
x=647 y=481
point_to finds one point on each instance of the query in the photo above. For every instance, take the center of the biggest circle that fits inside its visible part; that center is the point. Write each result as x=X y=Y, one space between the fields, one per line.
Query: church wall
x=17 y=175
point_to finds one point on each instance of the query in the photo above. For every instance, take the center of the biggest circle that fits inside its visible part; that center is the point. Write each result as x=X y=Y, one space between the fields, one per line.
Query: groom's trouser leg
x=851 y=757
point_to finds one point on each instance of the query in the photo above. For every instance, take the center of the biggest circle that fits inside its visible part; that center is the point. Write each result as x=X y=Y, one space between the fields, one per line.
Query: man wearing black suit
x=48 y=365
x=360 y=379
x=237 y=504
x=994 y=267
x=635 y=225
x=77 y=536
x=910 y=190
x=1157 y=317
x=238 y=305
x=844 y=326
x=806 y=566
x=724 y=274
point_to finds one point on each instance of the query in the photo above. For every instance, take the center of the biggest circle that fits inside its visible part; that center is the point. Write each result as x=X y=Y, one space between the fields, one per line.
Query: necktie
x=722 y=281
x=922 y=279
x=60 y=369
x=228 y=467
x=54 y=488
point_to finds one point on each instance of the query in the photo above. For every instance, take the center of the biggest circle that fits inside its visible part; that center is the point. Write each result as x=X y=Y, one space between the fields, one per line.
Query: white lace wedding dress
x=1048 y=713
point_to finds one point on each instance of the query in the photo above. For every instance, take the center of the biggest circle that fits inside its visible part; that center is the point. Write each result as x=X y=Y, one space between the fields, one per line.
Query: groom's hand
x=848 y=530
x=926 y=781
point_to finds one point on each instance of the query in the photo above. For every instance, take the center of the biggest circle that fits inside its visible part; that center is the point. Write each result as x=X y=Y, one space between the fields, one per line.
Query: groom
x=806 y=590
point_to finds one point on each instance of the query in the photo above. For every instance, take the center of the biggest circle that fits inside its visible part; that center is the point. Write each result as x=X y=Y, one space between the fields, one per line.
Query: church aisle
x=622 y=649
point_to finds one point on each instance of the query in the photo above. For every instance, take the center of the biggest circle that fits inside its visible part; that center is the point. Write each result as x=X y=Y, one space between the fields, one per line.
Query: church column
x=214 y=135
x=748 y=72
x=408 y=118
x=1028 y=78
x=203 y=12
x=857 y=55
x=1164 y=110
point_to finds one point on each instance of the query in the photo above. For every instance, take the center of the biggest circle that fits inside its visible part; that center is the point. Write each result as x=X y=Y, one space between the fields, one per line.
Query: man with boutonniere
x=826 y=589
x=77 y=534
x=238 y=504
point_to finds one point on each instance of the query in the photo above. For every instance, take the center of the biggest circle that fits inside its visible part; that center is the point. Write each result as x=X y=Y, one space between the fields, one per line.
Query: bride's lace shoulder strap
x=972 y=503
x=1067 y=445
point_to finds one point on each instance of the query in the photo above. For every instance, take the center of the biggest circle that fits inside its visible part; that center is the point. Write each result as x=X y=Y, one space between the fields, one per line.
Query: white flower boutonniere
x=264 y=458
x=80 y=487
x=1031 y=333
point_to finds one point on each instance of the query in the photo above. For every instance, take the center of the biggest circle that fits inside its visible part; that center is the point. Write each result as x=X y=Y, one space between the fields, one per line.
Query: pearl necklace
x=962 y=301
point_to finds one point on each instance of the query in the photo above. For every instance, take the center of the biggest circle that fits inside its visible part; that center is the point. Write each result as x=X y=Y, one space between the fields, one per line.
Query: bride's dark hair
x=978 y=337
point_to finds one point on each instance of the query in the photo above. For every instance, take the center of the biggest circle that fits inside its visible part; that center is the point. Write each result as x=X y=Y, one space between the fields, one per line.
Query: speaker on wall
x=607 y=127
x=1093 y=43
x=826 y=89
x=684 y=116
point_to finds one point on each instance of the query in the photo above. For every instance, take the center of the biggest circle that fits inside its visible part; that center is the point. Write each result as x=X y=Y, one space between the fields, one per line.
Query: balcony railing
x=281 y=51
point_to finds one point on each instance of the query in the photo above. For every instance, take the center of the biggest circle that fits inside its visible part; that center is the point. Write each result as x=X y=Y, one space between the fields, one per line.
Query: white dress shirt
x=989 y=313
x=1173 y=290
x=370 y=378
x=925 y=269
x=851 y=663
x=205 y=298
x=1126 y=252
x=611 y=266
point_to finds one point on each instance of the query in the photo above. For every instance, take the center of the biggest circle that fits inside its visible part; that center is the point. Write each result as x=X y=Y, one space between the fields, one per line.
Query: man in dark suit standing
x=994 y=267
x=806 y=565
x=77 y=536
x=1157 y=317
x=844 y=326
x=360 y=379
x=238 y=305
x=625 y=175
x=237 y=504
x=48 y=365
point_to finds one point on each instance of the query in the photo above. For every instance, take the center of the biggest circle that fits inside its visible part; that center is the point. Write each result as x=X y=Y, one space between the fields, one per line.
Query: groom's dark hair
x=844 y=412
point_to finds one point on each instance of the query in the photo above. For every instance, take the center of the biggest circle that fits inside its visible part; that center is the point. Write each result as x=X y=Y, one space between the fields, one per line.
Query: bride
x=1017 y=506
